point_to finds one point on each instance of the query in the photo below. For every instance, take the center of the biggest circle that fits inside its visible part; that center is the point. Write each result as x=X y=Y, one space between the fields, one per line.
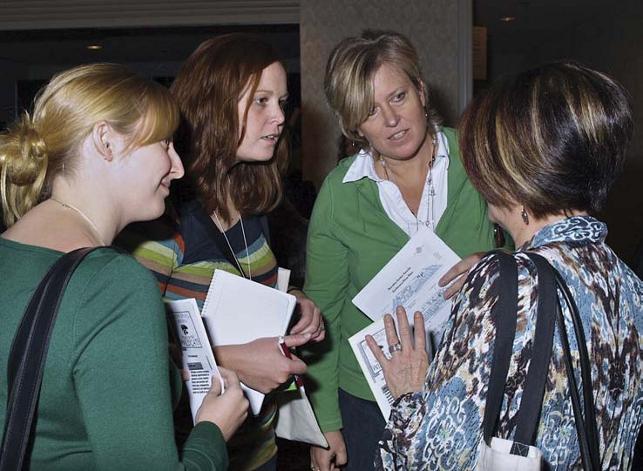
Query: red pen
x=286 y=351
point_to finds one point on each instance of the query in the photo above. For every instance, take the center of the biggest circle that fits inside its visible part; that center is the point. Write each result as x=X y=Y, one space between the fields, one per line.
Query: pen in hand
x=286 y=351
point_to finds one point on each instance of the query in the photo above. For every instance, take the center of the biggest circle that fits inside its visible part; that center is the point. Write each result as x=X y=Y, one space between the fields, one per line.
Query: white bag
x=498 y=457
x=296 y=420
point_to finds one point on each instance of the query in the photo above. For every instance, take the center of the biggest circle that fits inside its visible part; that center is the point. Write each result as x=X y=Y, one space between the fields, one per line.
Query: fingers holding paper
x=227 y=410
x=457 y=274
x=310 y=318
x=405 y=370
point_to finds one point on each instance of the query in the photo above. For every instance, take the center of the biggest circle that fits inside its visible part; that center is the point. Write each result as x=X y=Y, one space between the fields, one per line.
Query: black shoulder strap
x=549 y=314
x=528 y=415
x=585 y=426
x=27 y=358
x=504 y=316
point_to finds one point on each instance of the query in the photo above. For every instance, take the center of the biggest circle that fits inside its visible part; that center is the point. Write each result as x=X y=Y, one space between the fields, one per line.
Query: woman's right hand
x=261 y=364
x=227 y=410
x=405 y=370
x=331 y=459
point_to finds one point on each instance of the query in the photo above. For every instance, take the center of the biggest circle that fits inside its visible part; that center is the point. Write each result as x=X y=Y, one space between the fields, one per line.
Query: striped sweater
x=183 y=258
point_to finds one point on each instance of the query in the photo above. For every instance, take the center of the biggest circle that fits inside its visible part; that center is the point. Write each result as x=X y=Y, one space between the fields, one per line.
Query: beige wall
x=440 y=29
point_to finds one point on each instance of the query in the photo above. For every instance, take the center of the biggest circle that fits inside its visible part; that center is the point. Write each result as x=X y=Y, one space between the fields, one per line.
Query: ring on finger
x=396 y=347
x=313 y=467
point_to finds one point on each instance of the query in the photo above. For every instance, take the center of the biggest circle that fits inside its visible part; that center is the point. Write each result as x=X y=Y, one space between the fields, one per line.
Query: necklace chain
x=84 y=216
x=430 y=219
x=245 y=243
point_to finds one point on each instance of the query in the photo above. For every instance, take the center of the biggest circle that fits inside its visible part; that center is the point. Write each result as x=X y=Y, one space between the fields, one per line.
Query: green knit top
x=350 y=238
x=106 y=398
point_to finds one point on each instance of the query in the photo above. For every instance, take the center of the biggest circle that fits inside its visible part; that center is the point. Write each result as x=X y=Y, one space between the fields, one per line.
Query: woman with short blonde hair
x=348 y=81
x=406 y=178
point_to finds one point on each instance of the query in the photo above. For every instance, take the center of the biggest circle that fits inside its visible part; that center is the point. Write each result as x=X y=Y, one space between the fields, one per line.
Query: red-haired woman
x=231 y=92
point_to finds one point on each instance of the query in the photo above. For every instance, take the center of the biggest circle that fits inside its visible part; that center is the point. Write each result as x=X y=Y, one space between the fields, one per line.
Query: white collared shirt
x=391 y=196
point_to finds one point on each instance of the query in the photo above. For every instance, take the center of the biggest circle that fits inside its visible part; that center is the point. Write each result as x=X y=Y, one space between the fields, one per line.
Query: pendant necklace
x=245 y=243
x=430 y=188
x=92 y=226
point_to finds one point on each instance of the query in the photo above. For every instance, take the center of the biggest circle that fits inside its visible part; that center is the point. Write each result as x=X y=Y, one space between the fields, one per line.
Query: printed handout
x=409 y=279
x=197 y=356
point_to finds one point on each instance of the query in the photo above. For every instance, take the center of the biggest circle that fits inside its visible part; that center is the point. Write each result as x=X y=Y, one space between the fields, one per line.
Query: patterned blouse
x=440 y=427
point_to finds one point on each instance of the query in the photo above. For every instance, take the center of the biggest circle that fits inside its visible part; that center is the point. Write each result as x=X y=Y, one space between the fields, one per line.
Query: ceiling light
x=507 y=19
x=94 y=47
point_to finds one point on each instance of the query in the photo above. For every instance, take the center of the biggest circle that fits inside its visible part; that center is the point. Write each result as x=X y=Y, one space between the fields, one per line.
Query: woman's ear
x=103 y=139
x=422 y=91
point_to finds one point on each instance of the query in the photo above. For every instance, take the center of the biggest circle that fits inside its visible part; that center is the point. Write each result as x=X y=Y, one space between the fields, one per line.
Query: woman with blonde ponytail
x=23 y=160
x=95 y=155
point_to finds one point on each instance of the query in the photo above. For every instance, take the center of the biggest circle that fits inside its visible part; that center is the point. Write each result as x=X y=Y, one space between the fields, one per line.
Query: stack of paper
x=409 y=279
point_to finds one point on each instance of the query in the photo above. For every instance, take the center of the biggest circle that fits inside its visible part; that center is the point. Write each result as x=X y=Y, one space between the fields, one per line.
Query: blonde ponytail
x=23 y=168
x=38 y=147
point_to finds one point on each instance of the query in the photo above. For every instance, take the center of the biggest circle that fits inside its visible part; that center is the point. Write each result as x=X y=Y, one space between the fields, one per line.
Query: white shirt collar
x=364 y=165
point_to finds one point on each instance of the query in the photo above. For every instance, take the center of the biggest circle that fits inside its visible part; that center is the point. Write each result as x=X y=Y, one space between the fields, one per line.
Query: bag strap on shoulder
x=549 y=314
x=528 y=415
x=27 y=358
x=585 y=427
x=504 y=316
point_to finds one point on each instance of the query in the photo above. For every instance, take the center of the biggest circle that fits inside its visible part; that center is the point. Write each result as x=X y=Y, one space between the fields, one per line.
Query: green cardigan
x=350 y=238
x=106 y=398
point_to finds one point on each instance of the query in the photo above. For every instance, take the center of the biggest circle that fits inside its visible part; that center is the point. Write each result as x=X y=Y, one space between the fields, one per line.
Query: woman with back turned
x=544 y=148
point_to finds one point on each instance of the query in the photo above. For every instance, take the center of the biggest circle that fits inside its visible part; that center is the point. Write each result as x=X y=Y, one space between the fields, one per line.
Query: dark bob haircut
x=552 y=139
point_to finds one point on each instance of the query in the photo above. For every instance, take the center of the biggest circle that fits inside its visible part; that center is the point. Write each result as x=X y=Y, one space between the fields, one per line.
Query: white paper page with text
x=410 y=279
x=196 y=352
x=371 y=367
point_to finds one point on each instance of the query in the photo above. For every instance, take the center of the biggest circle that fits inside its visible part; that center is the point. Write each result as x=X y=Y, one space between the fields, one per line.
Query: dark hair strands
x=208 y=88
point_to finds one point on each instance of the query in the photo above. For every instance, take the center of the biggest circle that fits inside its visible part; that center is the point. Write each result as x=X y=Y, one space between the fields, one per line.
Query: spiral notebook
x=237 y=310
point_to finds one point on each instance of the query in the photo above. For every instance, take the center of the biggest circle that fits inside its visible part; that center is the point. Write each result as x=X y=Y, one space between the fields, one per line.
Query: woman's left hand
x=310 y=318
x=406 y=370
x=459 y=272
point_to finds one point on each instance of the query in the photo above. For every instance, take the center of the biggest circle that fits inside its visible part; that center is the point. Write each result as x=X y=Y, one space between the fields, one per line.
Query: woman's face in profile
x=148 y=173
x=265 y=118
x=397 y=125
